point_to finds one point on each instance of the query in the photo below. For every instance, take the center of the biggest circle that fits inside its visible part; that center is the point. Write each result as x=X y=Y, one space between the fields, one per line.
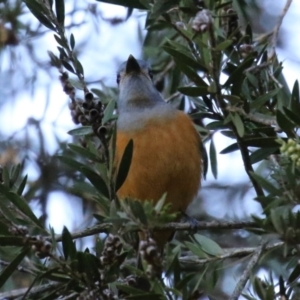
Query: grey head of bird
x=136 y=88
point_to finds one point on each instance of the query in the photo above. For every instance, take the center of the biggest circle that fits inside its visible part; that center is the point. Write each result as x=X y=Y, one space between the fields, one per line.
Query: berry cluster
x=291 y=149
x=151 y=255
x=111 y=251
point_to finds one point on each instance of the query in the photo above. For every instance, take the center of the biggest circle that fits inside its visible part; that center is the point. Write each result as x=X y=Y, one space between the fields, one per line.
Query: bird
x=166 y=156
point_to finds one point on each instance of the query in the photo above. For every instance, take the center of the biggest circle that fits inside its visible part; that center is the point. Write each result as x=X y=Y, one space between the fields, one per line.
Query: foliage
x=233 y=84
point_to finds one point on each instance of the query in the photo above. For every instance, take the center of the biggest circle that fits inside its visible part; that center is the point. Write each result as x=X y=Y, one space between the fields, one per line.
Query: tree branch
x=228 y=254
x=275 y=34
x=212 y=225
x=99 y=228
x=33 y=292
x=243 y=280
x=206 y=225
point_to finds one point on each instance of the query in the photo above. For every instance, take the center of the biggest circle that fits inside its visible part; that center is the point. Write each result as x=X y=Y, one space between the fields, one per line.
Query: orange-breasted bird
x=166 y=154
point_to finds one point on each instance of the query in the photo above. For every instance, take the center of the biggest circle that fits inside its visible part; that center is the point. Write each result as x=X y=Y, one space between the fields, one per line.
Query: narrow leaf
x=108 y=112
x=68 y=245
x=83 y=130
x=260 y=101
x=238 y=123
x=21 y=204
x=60 y=11
x=230 y=148
x=208 y=245
x=7 y=272
x=72 y=41
x=96 y=180
x=37 y=10
x=284 y=123
x=68 y=66
x=124 y=165
x=265 y=184
x=295 y=98
x=213 y=159
x=22 y=186
x=84 y=152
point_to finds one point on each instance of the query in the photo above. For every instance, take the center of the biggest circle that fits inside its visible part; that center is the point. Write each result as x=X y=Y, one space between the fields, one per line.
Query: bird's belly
x=166 y=159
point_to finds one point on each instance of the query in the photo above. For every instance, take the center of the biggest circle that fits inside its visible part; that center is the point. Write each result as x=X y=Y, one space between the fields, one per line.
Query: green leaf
x=236 y=78
x=22 y=186
x=84 y=152
x=265 y=184
x=72 y=41
x=37 y=10
x=208 y=245
x=59 y=40
x=70 y=162
x=238 y=123
x=83 y=130
x=193 y=91
x=8 y=271
x=21 y=204
x=4 y=229
x=230 y=148
x=284 y=123
x=261 y=154
x=68 y=245
x=108 y=113
x=261 y=100
x=295 y=98
x=196 y=249
x=276 y=218
x=161 y=7
x=60 y=11
x=67 y=66
x=124 y=165
x=78 y=66
x=295 y=274
x=138 y=211
x=5 y=177
x=182 y=55
x=96 y=180
x=222 y=46
x=213 y=159
x=76 y=84
x=14 y=174
x=129 y=3
x=294 y=117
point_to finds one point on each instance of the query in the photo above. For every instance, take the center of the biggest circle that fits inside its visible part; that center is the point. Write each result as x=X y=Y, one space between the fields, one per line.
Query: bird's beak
x=132 y=65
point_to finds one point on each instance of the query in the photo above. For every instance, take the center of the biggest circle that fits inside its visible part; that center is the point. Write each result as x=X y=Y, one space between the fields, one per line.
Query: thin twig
x=275 y=80
x=277 y=28
x=246 y=274
x=61 y=32
x=206 y=225
x=255 y=68
x=254 y=117
x=99 y=228
x=19 y=268
x=212 y=225
x=33 y=292
x=165 y=71
x=228 y=254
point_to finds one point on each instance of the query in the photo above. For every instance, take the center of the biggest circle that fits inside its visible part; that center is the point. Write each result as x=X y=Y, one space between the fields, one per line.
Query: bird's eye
x=150 y=73
x=118 y=78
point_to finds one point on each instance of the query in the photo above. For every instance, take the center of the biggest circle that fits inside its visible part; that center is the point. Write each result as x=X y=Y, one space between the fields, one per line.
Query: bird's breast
x=166 y=157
